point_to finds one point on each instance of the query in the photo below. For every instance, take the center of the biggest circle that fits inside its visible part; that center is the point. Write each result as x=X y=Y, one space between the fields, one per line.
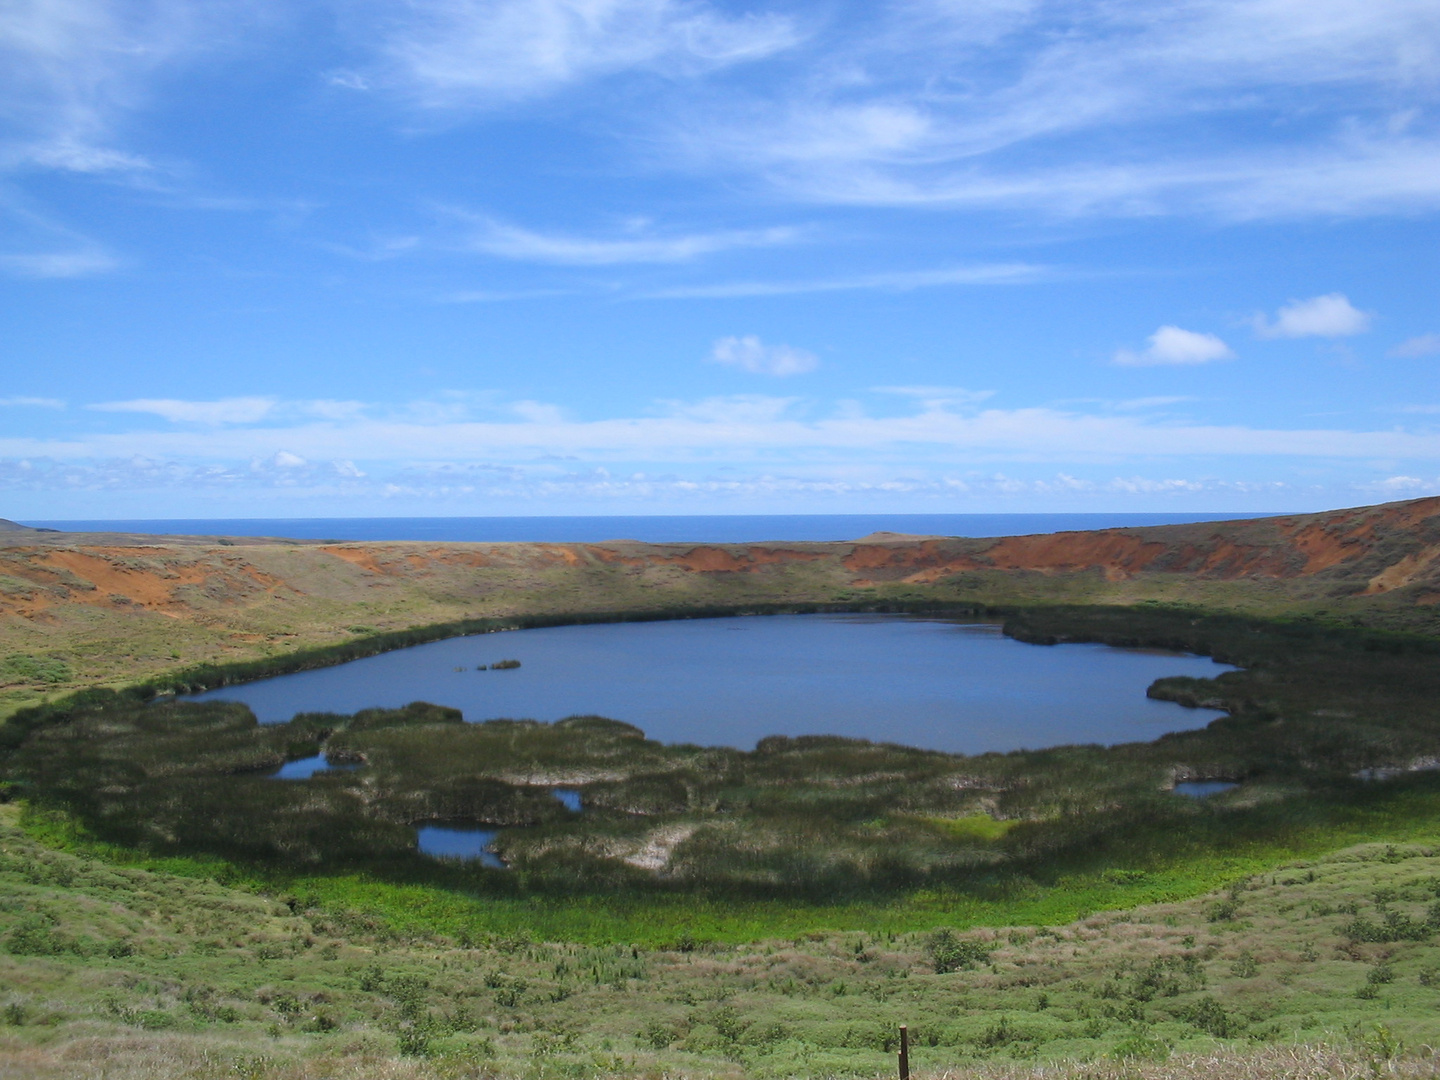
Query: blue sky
x=295 y=258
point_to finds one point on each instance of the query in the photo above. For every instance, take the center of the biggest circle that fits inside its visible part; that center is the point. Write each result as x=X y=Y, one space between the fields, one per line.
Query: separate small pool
x=1201 y=789
x=457 y=841
x=304 y=768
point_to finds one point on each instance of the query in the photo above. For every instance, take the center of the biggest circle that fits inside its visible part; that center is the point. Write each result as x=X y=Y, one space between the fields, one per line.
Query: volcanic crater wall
x=93 y=599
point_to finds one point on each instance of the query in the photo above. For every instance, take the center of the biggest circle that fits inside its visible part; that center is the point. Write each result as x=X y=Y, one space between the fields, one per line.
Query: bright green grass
x=128 y=971
x=657 y=920
x=973 y=826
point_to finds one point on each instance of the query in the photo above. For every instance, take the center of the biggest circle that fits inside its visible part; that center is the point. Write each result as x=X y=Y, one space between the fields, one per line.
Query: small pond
x=471 y=841
x=1203 y=789
x=304 y=768
x=942 y=685
x=1389 y=772
x=459 y=841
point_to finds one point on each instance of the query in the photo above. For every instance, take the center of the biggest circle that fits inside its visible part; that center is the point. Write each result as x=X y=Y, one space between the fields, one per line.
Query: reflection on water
x=941 y=685
x=460 y=842
x=304 y=768
x=1391 y=771
x=1199 y=789
x=472 y=842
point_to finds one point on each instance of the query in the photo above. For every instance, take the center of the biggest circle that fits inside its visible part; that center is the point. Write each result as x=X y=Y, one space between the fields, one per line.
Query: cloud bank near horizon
x=746 y=449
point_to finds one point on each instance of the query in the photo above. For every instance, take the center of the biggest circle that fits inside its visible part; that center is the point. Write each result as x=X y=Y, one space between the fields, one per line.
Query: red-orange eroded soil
x=156 y=579
x=1367 y=552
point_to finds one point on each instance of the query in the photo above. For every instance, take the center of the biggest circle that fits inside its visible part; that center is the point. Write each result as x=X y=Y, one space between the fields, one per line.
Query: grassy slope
x=158 y=970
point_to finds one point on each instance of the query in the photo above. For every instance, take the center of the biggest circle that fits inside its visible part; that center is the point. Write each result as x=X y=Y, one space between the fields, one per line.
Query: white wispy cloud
x=749 y=353
x=1172 y=345
x=1233 y=183
x=1405 y=486
x=444 y=482
x=329 y=409
x=32 y=402
x=498 y=296
x=74 y=77
x=642 y=245
x=1158 y=401
x=239 y=410
x=58 y=264
x=249 y=410
x=483 y=53
x=734 y=411
x=897 y=281
x=932 y=398
x=737 y=429
x=758 y=452
x=1128 y=108
x=70 y=70
x=1331 y=315
x=538 y=412
x=1415 y=347
x=281 y=470
x=37 y=244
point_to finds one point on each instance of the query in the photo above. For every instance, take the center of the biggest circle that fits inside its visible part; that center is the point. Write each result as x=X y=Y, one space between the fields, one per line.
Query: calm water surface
x=470 y=841
x=459 y=842
x=940 y=685
x=304 y=768
x=1203 y=789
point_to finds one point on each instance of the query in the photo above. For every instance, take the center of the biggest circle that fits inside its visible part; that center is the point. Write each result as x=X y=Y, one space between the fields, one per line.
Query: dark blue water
x=718 y=529
x=1203 y=789
x=471 y=843
x=304 y=768
x=459 y=842
x=921 y=682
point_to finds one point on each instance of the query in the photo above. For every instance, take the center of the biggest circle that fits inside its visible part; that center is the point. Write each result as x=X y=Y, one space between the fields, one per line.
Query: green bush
x=1210 y=1016
x=948 y=953
x=1141 y=1045
x=1245 y=966
x=34 y=936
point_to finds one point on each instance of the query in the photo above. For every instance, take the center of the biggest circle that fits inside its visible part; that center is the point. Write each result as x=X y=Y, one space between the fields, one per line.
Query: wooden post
x=904 y=1052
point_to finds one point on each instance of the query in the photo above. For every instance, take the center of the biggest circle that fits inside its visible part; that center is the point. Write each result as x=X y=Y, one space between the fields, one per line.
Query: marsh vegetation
x=814 y=819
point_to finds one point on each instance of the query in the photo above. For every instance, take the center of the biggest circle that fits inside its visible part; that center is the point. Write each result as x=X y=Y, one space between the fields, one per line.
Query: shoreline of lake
x=940 y=684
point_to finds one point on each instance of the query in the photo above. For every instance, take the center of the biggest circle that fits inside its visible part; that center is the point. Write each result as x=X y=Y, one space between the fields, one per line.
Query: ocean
x=715 y=529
